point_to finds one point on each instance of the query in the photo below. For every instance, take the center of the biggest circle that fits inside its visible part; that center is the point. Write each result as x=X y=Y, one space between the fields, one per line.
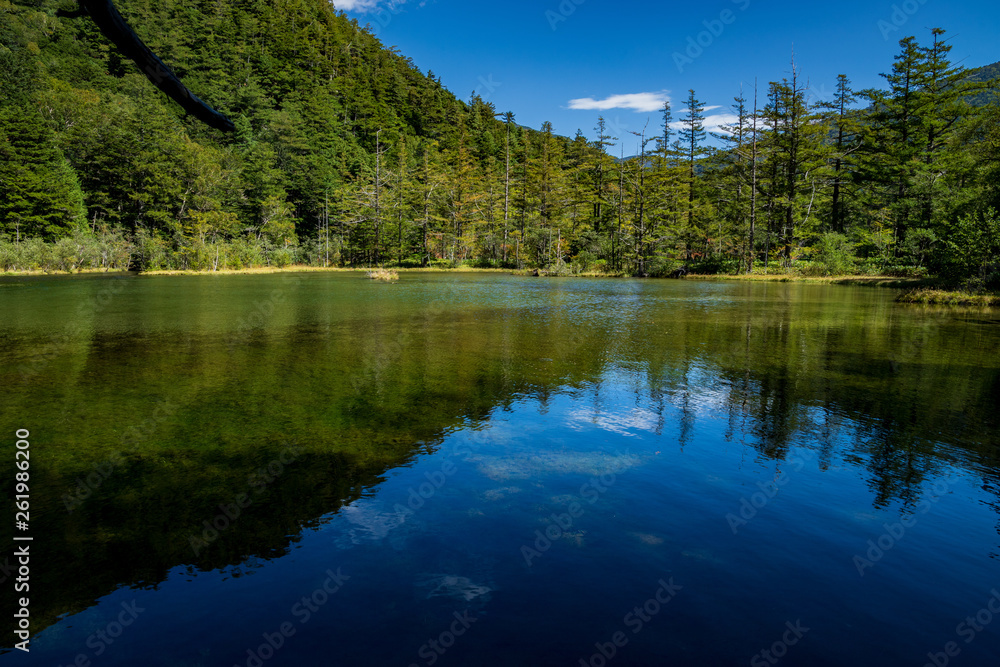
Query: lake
x=484 y=469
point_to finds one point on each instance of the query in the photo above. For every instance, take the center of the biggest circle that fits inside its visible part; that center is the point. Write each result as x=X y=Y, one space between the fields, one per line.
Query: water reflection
x=161 y=406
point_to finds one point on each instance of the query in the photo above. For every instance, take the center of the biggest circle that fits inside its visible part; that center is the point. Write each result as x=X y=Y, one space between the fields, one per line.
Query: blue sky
x=567 y=61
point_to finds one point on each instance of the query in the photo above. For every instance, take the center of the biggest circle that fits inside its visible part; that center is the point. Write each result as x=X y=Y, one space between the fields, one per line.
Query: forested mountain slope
x=345 y=153
x=314 y=97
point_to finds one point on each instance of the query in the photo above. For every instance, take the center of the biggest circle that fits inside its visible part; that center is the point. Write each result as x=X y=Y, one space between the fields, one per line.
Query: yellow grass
x=51 y=272
x=877 y=281
x=385 y=275
x=942 y=297
x=304 y=268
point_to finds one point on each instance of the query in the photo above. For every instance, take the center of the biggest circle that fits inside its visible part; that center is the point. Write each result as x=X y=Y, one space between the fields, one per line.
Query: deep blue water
x=707 y=475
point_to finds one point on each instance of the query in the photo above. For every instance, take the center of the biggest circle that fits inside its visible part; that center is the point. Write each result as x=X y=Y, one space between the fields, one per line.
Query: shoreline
x=919 y=291
x=870 y=281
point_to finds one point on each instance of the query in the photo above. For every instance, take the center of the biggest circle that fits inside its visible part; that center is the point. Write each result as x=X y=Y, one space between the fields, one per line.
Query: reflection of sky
x=657 y=452
x=660 y=512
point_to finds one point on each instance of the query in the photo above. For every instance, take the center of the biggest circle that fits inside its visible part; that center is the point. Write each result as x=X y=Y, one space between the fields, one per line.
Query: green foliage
x=346 y=154
x=973 y=251
x=834 y=253
x=662 y=267
x=107 y=250
x=920 y=245
x=40 y=196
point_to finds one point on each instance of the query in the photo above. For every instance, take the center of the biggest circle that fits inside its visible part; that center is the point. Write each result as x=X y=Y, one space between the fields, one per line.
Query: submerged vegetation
x=346 y=154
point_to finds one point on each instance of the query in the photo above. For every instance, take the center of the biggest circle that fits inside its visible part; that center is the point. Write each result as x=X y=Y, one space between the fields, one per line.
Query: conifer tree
x=692 y=135
x=39 y=193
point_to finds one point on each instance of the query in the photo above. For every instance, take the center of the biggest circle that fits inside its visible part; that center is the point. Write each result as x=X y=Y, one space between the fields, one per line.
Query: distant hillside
x=984 y=74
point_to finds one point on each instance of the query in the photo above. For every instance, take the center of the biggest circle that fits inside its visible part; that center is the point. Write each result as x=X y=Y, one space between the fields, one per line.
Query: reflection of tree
x=991 y=484
x=897 y=471
x=366 y=388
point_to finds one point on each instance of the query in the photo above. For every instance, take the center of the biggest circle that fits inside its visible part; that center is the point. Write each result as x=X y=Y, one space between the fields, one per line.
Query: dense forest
x=346 y=154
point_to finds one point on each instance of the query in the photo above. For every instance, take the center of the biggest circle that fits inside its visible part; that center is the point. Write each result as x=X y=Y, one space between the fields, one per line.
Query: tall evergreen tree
x=692 y=135
x=39 y=193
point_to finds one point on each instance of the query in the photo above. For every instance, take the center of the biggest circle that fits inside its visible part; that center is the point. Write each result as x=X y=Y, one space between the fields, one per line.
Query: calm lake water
x=315 y=469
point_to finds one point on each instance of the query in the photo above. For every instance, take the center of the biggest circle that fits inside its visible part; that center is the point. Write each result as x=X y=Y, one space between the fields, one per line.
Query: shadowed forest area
x=346 y=154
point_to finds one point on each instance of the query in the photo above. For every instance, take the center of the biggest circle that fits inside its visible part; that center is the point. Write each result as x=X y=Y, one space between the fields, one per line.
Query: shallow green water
x=327 y=403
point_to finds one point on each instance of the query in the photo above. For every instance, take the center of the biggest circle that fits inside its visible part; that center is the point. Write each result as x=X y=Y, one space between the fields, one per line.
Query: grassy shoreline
x=291 y=268
x=873 y=281
x=938 y=297
x=925 y=291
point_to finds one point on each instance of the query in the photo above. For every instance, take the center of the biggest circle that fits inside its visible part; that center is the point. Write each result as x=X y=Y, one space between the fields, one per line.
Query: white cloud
x=636 y=101
x=364 y=6
x=354 y=5
x=712 y=123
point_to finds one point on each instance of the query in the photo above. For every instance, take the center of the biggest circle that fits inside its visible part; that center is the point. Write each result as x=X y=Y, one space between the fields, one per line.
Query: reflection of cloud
x=497 y=494
x=636 y=101
x=624 y=422
x=371 y=524
x=559 y=463
x=453 y=586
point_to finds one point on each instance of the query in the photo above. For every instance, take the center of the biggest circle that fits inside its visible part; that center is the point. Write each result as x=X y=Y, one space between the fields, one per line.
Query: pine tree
x=39 y=193
x=845 y=132
x=692 y=135
x=735 y=178
x=508 y=119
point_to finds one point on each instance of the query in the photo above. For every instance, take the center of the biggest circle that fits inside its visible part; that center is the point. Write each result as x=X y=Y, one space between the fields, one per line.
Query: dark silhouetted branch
x=113 y=26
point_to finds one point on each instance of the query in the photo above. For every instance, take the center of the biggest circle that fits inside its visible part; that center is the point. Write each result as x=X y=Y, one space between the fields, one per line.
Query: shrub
x=973 y=249
x=152 y=250
x=36 y=254
x=584 y=261
x=281 y=257
x=661 y=267
x=834 y=253
x=714 y=265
